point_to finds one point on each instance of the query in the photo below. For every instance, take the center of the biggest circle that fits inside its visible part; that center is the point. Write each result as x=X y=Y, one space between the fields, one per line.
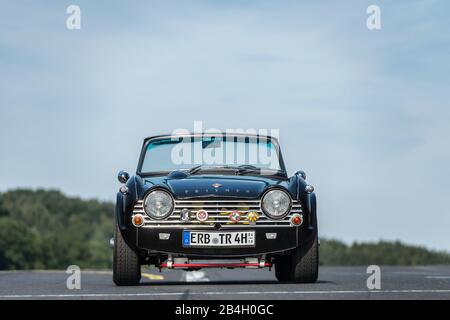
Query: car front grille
x=218 y=211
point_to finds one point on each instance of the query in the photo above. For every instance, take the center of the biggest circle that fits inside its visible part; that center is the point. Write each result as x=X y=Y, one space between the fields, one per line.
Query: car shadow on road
x=227 y=282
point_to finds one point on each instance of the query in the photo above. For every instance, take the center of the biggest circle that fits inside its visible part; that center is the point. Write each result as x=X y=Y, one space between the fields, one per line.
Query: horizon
x=348 y=243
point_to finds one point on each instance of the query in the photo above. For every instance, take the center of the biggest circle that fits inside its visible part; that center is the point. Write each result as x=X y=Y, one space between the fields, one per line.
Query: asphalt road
x=334 y=283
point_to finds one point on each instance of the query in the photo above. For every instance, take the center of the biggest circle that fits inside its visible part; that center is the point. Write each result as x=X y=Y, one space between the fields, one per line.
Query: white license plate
x=218 y=239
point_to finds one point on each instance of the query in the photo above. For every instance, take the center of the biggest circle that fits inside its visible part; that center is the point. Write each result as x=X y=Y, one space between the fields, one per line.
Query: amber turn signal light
x=138 y=220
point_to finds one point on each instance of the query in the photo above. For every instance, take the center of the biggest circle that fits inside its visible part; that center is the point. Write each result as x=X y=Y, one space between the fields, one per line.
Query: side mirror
x=302 y=174
x=123 y=177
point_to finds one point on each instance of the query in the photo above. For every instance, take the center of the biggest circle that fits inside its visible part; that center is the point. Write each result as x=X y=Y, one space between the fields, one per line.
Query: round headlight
x=276 y=204
x=158 y=204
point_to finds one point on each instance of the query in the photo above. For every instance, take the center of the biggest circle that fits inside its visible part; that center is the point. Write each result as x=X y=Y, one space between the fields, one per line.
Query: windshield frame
x=147 y=141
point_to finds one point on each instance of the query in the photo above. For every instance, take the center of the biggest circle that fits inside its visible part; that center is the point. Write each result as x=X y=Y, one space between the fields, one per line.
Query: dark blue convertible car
x=215 y=200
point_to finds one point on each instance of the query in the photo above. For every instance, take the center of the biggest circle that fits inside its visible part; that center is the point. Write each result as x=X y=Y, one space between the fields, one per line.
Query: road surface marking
x=145 y=275
x=101 y=272
x=153 y=276
x=437 y=277
x=97 y=272
x=144 y=294
x=417 y=273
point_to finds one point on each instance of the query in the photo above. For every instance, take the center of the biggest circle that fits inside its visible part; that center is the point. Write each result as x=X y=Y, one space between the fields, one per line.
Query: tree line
x=44 y=229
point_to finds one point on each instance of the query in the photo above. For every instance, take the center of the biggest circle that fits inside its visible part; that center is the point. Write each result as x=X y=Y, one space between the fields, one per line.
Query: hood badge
x=216 y=185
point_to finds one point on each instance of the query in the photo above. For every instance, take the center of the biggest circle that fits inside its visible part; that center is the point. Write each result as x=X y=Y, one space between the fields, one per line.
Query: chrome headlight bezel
x=271 y=215
x=146 y=198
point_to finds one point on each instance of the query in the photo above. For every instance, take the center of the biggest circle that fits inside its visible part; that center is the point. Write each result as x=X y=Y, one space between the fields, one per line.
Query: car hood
x=223 y=186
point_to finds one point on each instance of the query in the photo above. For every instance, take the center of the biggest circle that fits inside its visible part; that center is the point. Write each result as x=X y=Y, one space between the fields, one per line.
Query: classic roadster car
x=215 y=200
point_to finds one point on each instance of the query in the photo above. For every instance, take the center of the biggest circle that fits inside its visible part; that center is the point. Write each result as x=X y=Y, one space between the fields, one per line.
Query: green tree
x=45 y=229
x=18 y=246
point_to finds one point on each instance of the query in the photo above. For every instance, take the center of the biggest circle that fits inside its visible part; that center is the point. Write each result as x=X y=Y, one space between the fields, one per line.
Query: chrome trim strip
x=218 y=200
x=208 y=227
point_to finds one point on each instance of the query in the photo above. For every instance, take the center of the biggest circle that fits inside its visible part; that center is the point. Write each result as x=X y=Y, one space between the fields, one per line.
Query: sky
x=365 y=113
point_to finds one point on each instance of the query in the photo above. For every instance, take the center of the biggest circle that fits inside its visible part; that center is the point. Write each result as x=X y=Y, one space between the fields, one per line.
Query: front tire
x=301 y=266
x=282 y=269
x=126 y=265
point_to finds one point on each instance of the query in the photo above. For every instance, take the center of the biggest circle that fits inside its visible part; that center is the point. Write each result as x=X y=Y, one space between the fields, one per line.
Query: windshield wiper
x=243 y=169
x=246 y=168
x=196 y=169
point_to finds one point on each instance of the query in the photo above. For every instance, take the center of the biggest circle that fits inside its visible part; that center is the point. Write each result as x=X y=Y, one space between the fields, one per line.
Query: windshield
x=178 y=153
